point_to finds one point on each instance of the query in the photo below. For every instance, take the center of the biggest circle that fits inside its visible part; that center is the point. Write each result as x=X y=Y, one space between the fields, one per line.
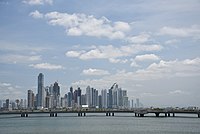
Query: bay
x=98 y=124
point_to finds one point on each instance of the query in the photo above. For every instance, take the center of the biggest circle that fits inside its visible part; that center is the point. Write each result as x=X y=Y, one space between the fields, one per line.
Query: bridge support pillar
x=198 y=115
x=106 y=113
x=56 y=114
x=22 y=114
x=84 y=114
x=165 y=114
x=113 y=114
x=109 y=114
x=135 y=115
x=79 y=114
x=168 y=114
x=157 y=114
x=26 y=115
x=141 y=115
x=173 y=114
x=51 y=114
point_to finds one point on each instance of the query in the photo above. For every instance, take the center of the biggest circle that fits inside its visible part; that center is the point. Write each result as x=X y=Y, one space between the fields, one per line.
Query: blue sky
x=150 y=48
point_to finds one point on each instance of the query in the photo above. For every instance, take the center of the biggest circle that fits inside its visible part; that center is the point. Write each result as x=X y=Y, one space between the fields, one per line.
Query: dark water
x=98 y=124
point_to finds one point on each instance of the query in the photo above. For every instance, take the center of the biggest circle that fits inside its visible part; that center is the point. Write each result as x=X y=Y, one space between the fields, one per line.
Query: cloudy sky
x=150 y=48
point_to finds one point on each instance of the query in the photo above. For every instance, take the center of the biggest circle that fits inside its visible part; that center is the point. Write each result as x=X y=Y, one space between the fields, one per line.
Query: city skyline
x=149 y=48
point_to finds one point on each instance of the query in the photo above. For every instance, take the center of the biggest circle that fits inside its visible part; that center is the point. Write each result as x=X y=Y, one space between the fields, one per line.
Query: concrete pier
x=113 y=114
x=168 y=114
x=141 y=115
x=198 y=115
x=173 y=114
x=84 y=114
x=157 y=114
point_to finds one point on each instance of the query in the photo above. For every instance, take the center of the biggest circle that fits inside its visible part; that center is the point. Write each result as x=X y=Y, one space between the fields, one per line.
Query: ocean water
x=98 y=124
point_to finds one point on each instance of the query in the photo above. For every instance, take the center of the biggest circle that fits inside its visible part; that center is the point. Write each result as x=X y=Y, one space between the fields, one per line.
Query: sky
x=149 y=48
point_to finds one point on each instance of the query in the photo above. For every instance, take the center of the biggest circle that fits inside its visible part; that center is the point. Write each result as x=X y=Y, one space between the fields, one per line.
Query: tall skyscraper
x=56 y=95
x=30 y=99
x=137 y=103
x=104 y=98
x=41 y=92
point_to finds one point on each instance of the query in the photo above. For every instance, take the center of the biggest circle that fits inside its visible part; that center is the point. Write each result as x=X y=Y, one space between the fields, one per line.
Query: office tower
x=56 y=95
x=30 y=99
x=41 y=92
x=104 y=98
x=1 y=104
x=119 y=98
x=79 y=97
x=75 y=96
x=69 y=99
x=132 y=103
x=71 y=90
x=88 y=96
x=125 y=102
x=7 y=103
x=137 y=103
x=110 y=98
x=83 y=99
x=100 y=101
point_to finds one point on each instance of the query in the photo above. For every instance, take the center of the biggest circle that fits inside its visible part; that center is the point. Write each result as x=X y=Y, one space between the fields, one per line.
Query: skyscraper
x=30 y=99
x=41 y=92
x=104 y=98
x=56 y=95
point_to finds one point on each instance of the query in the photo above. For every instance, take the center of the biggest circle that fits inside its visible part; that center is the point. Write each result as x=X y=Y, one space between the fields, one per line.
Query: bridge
x=109 y=112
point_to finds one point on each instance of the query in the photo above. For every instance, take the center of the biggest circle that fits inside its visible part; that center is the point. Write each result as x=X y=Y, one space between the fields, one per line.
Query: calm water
x=98 y=124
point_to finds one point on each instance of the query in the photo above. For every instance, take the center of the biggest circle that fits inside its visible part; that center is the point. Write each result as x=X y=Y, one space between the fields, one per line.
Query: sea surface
x=98 y=124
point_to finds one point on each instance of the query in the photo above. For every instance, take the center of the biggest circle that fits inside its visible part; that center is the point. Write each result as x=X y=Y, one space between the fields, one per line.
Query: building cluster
x=49 y=98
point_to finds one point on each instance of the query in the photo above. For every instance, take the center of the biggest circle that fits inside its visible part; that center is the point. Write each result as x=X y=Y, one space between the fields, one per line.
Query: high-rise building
x=137 y=103
x=56 y=95
x=104 y=98
x=110 y=98
x=30 y=99
x=41 y=92
x=7 y=103
x=79 y=97
x=88 y=96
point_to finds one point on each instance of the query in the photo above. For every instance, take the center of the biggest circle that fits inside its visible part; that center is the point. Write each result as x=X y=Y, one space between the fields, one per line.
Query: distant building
x=137 y=103
x=30 y=99
x=104 y=98
x=7 y=103
x=56 y=95
x=41 y=92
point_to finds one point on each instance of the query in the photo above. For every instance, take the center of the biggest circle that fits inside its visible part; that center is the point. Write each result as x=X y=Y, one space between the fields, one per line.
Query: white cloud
x=146 y=57
x=177 y=92
x=73 y=53
x=92 y=71
x=112 y=53
x=114 y=60
x=8 y=90
x=164 y=69
x=188 y=67
x=4 y=84
x=16 y=58
x=36 y=14
x=134 y=64
x=47 y=66
x=173 y=41
x=81 y=24
x=193 y=31
x=38 y=2
x=15 y=47
x=142 y=38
